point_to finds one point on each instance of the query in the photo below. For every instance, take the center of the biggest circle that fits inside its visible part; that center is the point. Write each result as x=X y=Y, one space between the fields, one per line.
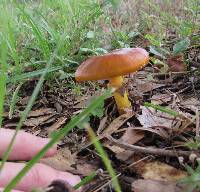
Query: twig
x=144 y=158
x=139 y=149
x=107 y=183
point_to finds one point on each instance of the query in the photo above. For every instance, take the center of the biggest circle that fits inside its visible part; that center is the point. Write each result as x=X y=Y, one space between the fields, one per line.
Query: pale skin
x=25 y=147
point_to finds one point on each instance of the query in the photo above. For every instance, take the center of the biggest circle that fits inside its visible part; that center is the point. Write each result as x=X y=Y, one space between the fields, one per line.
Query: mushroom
x=112 y=66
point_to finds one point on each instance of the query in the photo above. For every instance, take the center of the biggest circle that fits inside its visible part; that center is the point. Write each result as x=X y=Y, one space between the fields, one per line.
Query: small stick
x=139 y=149
x=144 y=158
x=107 y=183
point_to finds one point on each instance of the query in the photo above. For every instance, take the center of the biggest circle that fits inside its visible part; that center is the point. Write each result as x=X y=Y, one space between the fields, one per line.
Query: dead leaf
x=124 y=155
x=144 y=85
x=85 y=168
x=41 y=112
x=176 y=63
x=81 y=102
x=130 y=136
x=150 y=118
x=33 y=122
x=102 y=125
x=148 y=86
x=56 y=125
x=62 y=161
x=191 y=103
x=159 y=171
x=113 y=148
x=161 y=98
x=148 y=185
x=35 y=113
x=112 y=128
x=117 y=123
x=157 y=130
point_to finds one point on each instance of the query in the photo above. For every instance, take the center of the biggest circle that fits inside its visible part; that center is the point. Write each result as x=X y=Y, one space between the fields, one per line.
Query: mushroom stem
x=120 y=95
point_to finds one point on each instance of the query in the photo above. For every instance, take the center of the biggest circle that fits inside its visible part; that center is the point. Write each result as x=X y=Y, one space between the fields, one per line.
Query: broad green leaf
x=133 y=34
x=181 y=46
x=101 y=50
x=156 y=52
x=153 y=39
x=86 y=50
x=90 y=35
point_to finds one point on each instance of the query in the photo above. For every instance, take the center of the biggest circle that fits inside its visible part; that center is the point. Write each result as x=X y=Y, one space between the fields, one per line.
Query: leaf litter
x=169 y=86
x=145 y=127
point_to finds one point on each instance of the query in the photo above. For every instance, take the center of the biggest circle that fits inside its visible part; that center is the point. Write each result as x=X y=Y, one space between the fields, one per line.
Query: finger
x=25 y=145
x=1 y=189
x=39 y=176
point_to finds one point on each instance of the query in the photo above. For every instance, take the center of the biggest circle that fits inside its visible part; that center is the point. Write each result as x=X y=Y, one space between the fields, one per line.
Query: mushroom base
x=122 y=102
x=120 y=95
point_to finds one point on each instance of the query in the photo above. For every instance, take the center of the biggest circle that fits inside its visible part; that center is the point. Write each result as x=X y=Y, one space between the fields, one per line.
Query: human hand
x=25 y=147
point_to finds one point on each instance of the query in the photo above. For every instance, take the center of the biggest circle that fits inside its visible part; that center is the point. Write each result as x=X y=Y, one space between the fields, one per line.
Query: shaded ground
x=145 y=127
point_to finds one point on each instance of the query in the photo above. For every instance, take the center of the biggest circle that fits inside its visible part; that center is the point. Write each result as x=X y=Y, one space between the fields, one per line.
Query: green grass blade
x=3 y=77
x=163 y=109
x=86 y=180
x=12 y=44
x=29 y=75
x=14 y=100
x=43 y=43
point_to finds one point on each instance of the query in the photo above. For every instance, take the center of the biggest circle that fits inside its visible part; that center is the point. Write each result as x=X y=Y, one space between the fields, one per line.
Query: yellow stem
x=120 y=95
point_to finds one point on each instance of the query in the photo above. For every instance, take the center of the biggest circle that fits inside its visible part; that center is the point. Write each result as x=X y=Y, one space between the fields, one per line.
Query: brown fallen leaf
x=148 y=185
x=112 y=128
x=113 y=148
x=62 y=161
x=41 y=112
x=81 y=102
x=142 y=86
x=35 y=113
x=130 y=136
x=102 y=125
x=157 y=130
x=159 y=99
x=117 y=123
x=176 y=63
x=33 y=122
x=85 y=167
x=148 y=86
x=159 y=171
x=56 y=125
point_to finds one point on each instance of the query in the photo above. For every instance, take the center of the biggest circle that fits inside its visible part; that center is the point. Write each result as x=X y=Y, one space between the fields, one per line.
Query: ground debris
x=156 y=170
x=148 y=185
x=62 y=161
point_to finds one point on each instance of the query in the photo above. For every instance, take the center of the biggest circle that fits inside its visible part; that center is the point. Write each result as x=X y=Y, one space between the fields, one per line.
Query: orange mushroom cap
x=116 y=63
